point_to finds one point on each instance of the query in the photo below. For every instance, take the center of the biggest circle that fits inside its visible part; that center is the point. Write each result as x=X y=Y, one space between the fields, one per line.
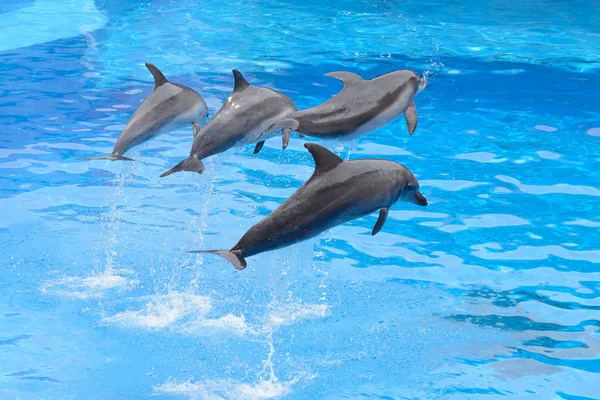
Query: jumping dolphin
x=169 y=106
x=337 y=192
x=245 y=117
x=362 y=106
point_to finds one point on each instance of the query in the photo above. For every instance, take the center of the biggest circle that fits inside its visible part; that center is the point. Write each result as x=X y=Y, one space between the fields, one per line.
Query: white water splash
x=228 y=323
x=268 y=385
x=187 y=313
x=90 y=287
x=107 y=274
x=163 y=311
x=289 y=313
x=228 y=389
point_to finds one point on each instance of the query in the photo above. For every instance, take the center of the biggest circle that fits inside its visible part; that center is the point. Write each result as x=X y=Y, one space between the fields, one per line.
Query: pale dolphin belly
x=359 y=108
x=261 y=132
x=389 y=114
x=153 y=124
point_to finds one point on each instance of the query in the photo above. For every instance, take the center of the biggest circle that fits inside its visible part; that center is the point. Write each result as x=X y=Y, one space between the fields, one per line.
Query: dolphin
x=243 y=118
x=169 y=106
x=337 y=192
x=361 y=107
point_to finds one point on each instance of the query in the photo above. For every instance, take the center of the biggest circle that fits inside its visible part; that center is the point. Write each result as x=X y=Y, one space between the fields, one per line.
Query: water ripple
x=558 y=188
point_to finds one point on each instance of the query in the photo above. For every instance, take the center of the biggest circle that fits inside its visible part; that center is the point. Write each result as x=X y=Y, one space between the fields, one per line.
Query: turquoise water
x=493 y=290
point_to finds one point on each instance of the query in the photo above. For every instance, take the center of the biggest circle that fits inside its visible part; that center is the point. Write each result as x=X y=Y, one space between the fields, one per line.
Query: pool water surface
x=492 y=290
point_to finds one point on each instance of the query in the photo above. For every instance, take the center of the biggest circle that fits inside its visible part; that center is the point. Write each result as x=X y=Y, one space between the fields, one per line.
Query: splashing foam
x=163 y=311
x=186 y=313
x=229 y=323
x=227 y=389
x=289 y=313
x=112 y=277
x=281 y=315
x=91 y=286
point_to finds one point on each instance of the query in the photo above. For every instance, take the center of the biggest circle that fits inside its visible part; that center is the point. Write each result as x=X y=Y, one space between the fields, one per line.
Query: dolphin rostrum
x=337 y=192
x=243 y=118
x=361 y=107
x=170 y=106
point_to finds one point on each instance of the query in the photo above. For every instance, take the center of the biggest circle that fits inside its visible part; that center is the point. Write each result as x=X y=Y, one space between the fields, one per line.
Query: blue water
x=493 y=290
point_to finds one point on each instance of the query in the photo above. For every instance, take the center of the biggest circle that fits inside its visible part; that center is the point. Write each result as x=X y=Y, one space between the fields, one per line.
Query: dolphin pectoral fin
x=111 y=157
x=287 y=126
x=191 y=164
x=325 y=160
x=285 y=137
x=288 y=123
x=284 y=123
x=348 y=78
x=159 y=78
x=233 y=256
x=259 y=146
x=196 y=129
x=383 y=213
x=411 y=118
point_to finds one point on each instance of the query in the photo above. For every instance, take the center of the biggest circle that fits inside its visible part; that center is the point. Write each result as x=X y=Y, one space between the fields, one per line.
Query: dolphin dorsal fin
x=325 y=160
x=240 y=82
x=159 y=78
x=349 y=78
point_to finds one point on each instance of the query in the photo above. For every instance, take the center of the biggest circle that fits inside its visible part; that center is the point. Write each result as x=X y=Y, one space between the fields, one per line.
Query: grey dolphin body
x=243 y=118
x=337 y=192
x=169 y=106
x=361 y=106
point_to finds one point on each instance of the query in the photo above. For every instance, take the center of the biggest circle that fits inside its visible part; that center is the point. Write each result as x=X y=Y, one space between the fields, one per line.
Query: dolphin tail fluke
x=233 y=256
x=411 y=118
x=191 y=164
x=111 y=157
